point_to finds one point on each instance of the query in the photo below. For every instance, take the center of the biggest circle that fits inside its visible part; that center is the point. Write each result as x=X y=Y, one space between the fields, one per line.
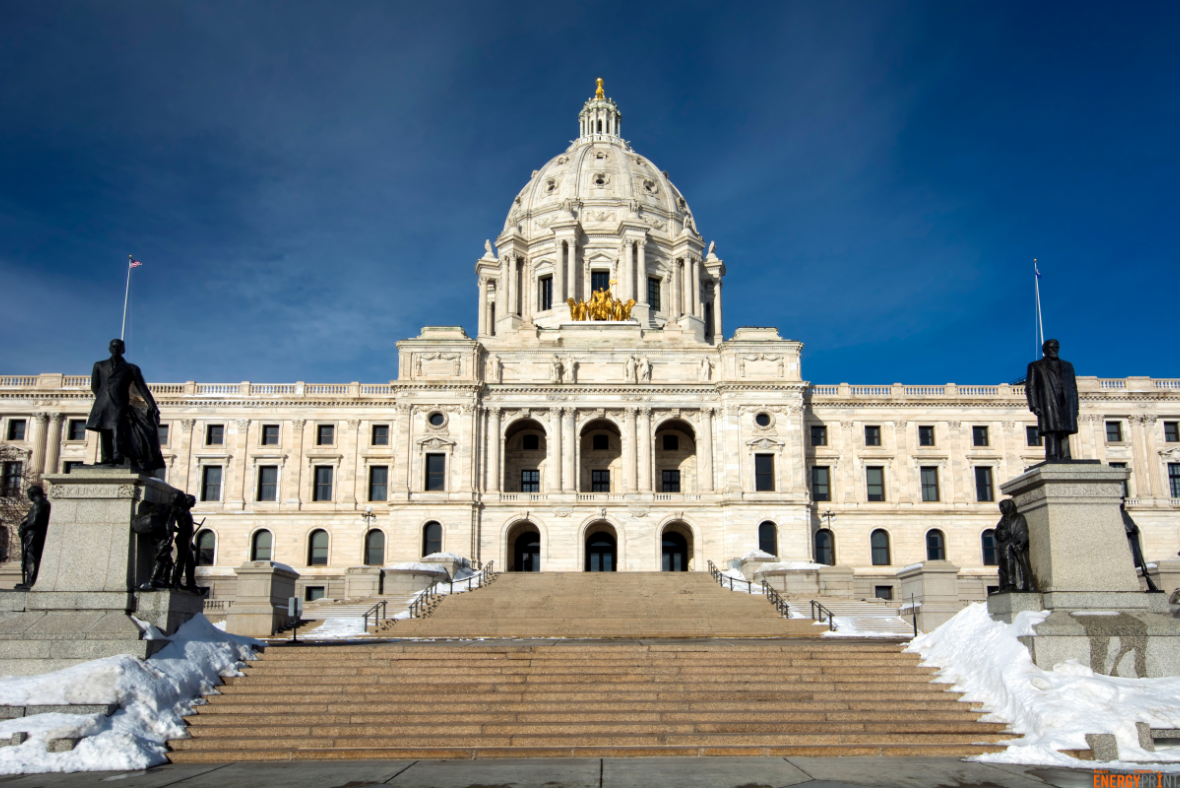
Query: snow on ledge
x=782 y=566
x=418 y=566
x=758 y=555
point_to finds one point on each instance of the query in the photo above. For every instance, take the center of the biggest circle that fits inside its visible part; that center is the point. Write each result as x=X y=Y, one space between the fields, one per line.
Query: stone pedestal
x=934 y=587
x=86 y=591
x=1085 y=577
x=406 y=579
x=836 y=581
x=362 y=581
x=751 y=565
x=1166 y=576
x=259 y=608
x=450 y=565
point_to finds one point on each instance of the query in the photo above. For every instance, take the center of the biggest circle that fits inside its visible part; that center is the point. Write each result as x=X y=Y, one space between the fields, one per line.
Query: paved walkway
x=582 y=773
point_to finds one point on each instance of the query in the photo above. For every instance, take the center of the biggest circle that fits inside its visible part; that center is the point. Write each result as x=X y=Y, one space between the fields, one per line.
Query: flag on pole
x=1037 y=270
x=136 y=264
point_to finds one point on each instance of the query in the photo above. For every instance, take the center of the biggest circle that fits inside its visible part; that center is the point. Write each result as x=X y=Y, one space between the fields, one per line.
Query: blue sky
x=308 y=183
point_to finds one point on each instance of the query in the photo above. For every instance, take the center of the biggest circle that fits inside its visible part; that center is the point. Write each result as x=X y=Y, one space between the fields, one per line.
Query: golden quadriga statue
x=601 y=306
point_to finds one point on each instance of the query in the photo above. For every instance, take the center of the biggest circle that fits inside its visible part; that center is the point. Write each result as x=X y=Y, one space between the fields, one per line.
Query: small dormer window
x=600 y=179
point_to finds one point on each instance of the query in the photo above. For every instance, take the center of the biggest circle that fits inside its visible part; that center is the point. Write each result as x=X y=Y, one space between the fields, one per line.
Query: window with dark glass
x=69 y=465
x=671 y=442
x=983 y=483
x=935 y=546
x=214 y=434
x=929 y=483
x=317 y=549
x=323 y=483
x=768 y=538
x=653 y=293
x=872 y=436
x=162 y=433
x=268 y=482
x=1032 y=436
x=11 y=482
x=76 y=430
x=879 y=545
x=979 y=436
x=1172 y=431
x=16 y=429
x=530 y=480
x=270 y=435
x=546 y=286
x=762 y=419
x=1114 y=432
x=1126 y=482
x=260 y=547
x=709 y=320
x=312 y=593
x=600 y=481
x=378 y=482
x=601 y=443
x=821 y=487
x=374 y=548
x=530 y=443
x=670 y=481
x=883 y=592
x=764 y=472
x=1174 y=479
x=325 y=434
x=380 y=435
x=988 y=541
x=819 y=435
x=875 y=482
x=926 y=436
x=437 y=419
x=431 y=539
x=211 y=483
x=206 y=547
x=825 y=548
x=436 y=465
x=599 y=280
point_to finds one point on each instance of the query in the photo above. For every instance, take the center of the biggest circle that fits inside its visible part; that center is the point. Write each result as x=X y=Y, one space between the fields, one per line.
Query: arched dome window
x=206 y=547
x=988 y=542
x=879 y=542
x=431 y=538
x=374 y=548
x=317 y=548
x=935 y=545
x=260 y=547
x=768 y=538
x=825 y=547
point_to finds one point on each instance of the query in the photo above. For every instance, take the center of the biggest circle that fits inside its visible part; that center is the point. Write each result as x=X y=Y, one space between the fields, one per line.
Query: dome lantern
x=600 y=117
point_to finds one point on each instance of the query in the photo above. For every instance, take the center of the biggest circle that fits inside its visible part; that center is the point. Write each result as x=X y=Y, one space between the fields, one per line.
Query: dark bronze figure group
x=1012 y=550
x=1136 y=551
x=168 y=525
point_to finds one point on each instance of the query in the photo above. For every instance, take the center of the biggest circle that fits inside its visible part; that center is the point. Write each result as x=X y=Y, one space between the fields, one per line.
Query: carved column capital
x=187 y=423
x=57 y=418
x=43 y=418
x=298 y=423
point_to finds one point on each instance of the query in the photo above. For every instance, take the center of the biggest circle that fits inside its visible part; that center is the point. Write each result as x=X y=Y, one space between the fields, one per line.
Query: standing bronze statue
x=1052 y=393
x=129 y=435
x=1012 y=548
x=32 y=538
x=1136 y=551
x=186 y=561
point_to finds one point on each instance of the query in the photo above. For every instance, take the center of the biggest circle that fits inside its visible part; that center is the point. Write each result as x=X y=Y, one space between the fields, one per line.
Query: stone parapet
x=934 y=587
x=259 y=608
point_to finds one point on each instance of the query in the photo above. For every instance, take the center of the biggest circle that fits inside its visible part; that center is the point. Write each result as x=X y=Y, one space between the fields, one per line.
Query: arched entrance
x=602 y=550
x=600 y=457
x=675 y=549
x=524 y=548
x=675 y=457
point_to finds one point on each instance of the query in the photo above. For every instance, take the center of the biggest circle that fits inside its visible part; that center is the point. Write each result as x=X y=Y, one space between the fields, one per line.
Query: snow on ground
x=418 y=566
x=340 y=628
x=153 y=696
x=864 y=627
x=1054 y=709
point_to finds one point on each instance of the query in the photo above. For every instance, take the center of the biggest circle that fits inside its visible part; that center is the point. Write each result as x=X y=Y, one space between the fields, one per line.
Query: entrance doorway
x=526 y=552
x=675 y=550
x=601 y=552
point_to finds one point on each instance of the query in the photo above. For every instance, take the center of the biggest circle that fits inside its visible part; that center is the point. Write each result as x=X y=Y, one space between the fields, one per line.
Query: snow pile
x=447 y=557
x=755 y=555
x=870 y=627
x=1052 y=709
x=418 y=566
x=153 y=696
x=781 y=566
x=736 y=574
x=339 y=628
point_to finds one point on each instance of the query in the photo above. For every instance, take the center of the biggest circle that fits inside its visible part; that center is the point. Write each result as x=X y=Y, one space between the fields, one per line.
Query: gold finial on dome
x=599 y=93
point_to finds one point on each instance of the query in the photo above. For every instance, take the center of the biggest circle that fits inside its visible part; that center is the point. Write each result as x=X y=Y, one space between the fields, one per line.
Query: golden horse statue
x=601 y=306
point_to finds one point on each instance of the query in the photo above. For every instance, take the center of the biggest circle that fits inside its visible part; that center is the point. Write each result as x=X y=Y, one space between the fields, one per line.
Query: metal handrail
x=816 y=606
x=377 y=611
x=427 y=598
x=724 y=579
x=780 y=604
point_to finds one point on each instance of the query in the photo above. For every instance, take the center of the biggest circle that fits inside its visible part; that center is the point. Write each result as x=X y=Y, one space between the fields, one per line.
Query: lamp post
x=829 y=517
x=368 y=517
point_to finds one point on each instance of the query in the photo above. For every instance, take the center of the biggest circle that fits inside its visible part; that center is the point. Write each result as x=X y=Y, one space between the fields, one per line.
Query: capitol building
x=605 y=418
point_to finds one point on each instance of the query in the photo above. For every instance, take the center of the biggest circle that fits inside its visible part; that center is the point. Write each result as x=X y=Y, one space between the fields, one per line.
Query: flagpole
x=1040 y=321
x=126 y=295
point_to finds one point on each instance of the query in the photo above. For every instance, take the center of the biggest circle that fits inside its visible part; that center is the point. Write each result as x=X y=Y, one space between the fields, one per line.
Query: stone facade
x=511 y=431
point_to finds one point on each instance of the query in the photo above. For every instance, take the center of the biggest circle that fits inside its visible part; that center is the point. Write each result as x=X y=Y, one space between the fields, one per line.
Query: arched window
x=317 y=549
x=260 y=547
x=768 y=538
x=935 y=545
x=206 y=548
x=880 y=546
x=989 y=547
x=374 y=548
x=431 y=538
x=825 y=547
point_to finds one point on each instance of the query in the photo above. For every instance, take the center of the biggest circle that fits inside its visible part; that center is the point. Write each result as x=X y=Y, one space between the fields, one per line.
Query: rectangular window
x=819 y=435
x=1126 y=482
x=76 y=430
x=162 y=434
x=10 y=483
x=546 y=294
x=670 y=481
x=436 y=472
x=883 y=592
x=323 y=483
x=380 y=435
x=600 y=481
x=1172 y=431
x=325 y=434
x=312 y=593
x=1114 y=432
x=979 y=436
x=930 y=483
x=925 y=436
x=530 y=480
x=709 y=320
x=16 y=429
x=875 y=482
x=653 y=293
x=211 y=483
x=599 y=280
x=268 y=482
x=1032 y=436
x=1174 y=479
x=764 y=472
x=983 y=484
x=378 y=482
x=821 y=483
x=872 y=436
x=214 y=434
x=270 y=435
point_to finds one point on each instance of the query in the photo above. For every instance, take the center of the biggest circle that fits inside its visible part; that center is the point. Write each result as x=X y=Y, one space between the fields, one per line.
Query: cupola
x=600 y=117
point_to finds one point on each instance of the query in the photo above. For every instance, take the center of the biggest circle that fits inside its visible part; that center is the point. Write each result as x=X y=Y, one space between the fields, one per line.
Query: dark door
x=526 y=552
x=675 y=553
x=600 y=553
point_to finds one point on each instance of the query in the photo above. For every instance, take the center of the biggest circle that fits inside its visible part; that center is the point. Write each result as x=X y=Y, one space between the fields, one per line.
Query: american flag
x=134 y=263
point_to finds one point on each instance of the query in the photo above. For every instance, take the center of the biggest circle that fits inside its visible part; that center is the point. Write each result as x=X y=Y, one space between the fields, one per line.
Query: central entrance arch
x=602 y=549
x=675 y=550
x=524 y=548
